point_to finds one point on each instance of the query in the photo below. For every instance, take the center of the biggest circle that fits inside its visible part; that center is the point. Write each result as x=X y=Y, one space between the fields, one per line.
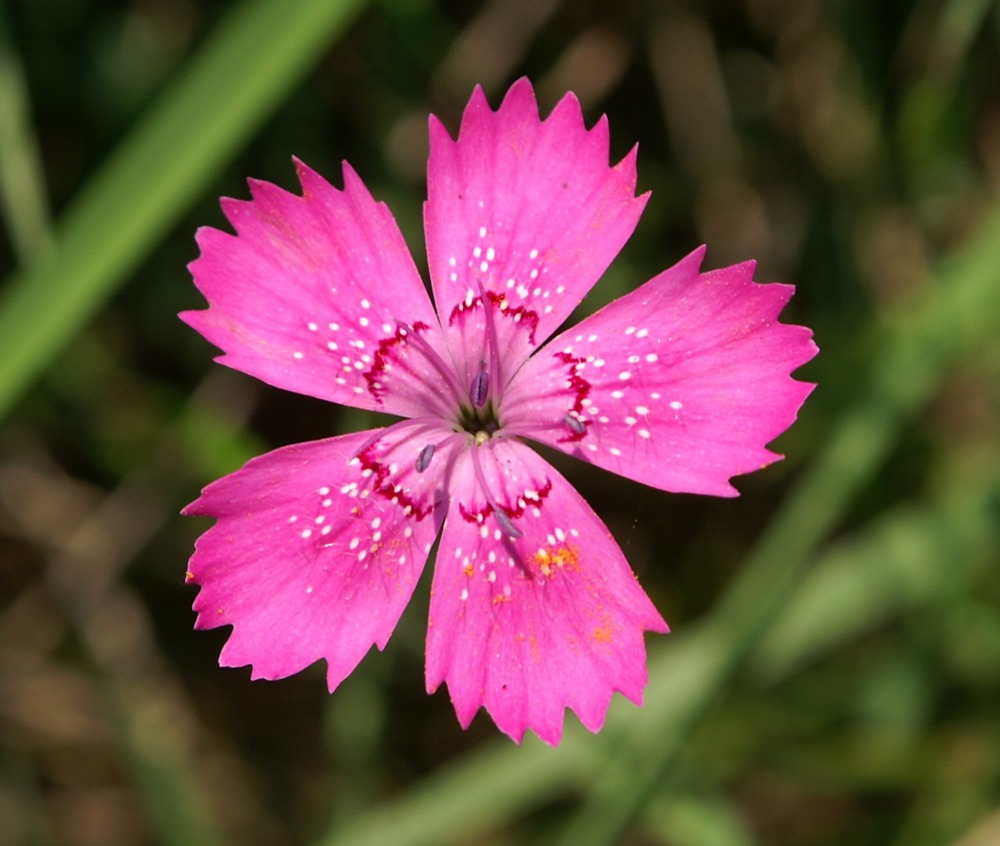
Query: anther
x=480 y=387
x=424 y=459
x=499 y=515
x=505 y=524
x=576 y=424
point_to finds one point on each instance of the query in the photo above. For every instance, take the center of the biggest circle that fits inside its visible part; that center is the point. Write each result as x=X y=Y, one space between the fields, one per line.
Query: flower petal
x=313 y=293
x=527 y=209
x=679 y=384
x=316 y=550
x=527 y=626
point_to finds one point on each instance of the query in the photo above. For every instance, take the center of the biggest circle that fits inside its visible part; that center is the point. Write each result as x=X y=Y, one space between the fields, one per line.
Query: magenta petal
x=313 y=554
x=312 y=291
x=317 y=547
x=528 y=209
x=679 y=384
x=531 y=625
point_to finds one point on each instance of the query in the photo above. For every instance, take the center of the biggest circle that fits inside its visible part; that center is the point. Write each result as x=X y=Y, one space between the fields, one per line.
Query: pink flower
x=317 y=546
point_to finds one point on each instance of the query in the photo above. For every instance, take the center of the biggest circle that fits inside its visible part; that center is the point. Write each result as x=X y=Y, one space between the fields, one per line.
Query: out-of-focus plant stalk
x=241 y=74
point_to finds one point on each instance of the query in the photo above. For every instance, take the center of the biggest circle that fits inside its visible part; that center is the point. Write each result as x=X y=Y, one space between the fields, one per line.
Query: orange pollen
x=549 y=560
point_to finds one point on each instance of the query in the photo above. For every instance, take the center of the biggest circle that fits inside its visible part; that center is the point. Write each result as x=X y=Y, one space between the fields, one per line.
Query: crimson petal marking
x=406 y=368
x=528 y=209
x=527 y=627
x=679 y=384
x=525 y=316
x=314 y=553
x=469 y=327
x=309 y=291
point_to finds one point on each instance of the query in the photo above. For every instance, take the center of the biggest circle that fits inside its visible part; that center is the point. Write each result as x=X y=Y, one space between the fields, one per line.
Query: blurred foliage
x=834 y=675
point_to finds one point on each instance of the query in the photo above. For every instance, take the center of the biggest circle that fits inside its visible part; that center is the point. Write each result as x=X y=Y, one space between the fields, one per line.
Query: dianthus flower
x=318 y=546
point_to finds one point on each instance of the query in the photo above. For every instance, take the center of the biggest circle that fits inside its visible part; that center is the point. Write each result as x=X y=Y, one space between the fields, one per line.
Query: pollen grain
x=550 y=560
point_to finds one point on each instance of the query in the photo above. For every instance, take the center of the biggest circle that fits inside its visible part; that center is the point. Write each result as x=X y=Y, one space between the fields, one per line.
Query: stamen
x=505 y=524
x=379 y=434
x=480 y=389
x=502 y=520
x=424 y=459
x=446 y=372
x=576 y=424
x=493 y=342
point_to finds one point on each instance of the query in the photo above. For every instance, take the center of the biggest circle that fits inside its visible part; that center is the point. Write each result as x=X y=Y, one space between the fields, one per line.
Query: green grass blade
x=22 y=184
x=235 y=81
x=877 y=574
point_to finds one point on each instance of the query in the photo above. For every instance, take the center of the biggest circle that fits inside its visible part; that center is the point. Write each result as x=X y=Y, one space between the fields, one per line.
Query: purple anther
x=505 y=524
x=424 y=459
x=480 y=387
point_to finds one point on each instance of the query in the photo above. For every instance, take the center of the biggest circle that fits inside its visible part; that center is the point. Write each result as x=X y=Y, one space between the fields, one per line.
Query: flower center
x=481 y=423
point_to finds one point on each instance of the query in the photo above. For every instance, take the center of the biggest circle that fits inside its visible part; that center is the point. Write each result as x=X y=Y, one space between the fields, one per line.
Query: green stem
x=236 y=81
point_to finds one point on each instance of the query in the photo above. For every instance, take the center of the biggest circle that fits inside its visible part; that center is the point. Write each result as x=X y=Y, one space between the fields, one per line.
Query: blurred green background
x=834 y=672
